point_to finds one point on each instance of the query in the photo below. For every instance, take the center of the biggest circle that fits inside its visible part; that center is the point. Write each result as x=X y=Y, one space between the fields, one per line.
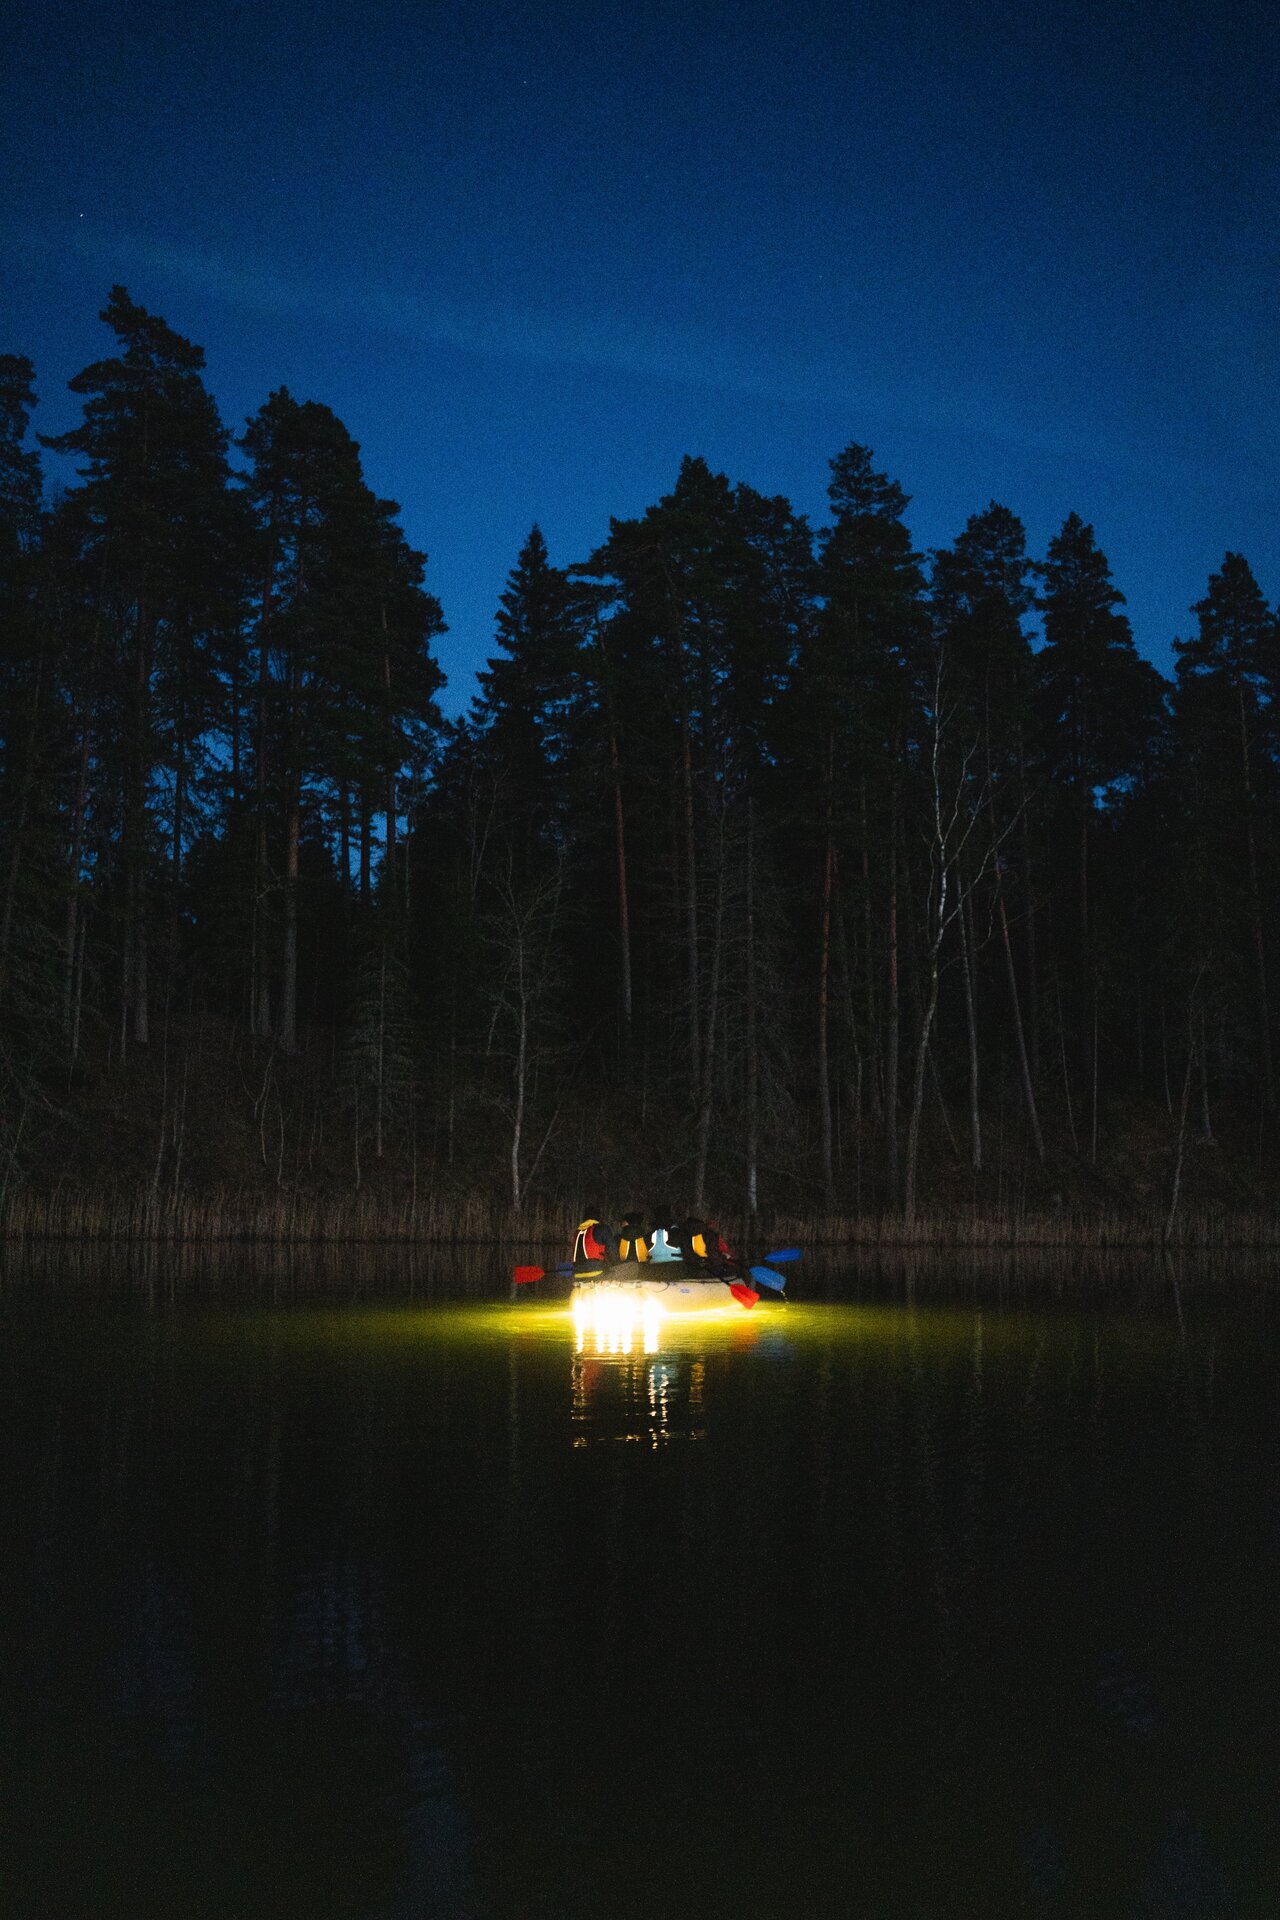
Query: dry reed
x=289 y=1218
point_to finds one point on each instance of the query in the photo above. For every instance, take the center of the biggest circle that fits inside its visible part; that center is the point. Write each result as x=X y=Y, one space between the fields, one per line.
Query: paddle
x=764 y=1278
x=744 y=1295
x=524 y=1275
x=787 y=1253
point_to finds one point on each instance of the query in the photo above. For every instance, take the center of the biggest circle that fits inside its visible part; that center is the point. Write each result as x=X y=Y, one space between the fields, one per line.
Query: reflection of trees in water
x=212 y=1714
x=949 y=1587
x=248 y=1270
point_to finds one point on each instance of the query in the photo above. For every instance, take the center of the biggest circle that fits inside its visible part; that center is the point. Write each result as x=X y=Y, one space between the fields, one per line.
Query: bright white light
x=612 y=1319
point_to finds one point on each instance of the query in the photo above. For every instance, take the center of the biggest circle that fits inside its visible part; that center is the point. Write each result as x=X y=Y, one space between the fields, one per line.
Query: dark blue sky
x=534 y=254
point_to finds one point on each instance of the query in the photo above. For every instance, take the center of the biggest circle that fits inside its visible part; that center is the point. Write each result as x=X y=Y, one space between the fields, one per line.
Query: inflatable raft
x=670 y=1289
x=662 y=1281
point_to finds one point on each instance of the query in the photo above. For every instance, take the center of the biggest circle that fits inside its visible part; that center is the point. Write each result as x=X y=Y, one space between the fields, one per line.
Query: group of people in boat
x=654 y=1238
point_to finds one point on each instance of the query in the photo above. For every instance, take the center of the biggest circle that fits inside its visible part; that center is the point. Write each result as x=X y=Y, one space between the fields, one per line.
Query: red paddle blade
x=523 y=1275
x=745 y=1296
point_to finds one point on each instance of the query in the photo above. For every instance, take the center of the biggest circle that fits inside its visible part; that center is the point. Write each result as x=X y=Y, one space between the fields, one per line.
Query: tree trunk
x=237 y=750
x=624 y=909
x=175 y=857
x=1206 y=1124
x=72 y=938
x=917 y=1082
x=289 y=958
x=894 y=1020
x=1176 y=1186
x=1093 y=1082
x=344 y=845
x=868 y=952
x=517 y=1122
x=940 y=868
x=753 y=1040
x=259 y=985
x=1066 y=1072
x=1255 y=902
x=707 y=1089
x=1033 y=972
x=382 y=1050
x=141 y=987
x=20 y=824
x=389 y=876
x=691 y=900
x=968 y=970
x=824 y=994
x=77 y=1000
x=1028 y=1091
x=136 y=829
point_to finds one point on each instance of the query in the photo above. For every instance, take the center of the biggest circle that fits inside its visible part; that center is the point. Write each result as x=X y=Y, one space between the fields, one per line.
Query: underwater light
x=613 y=1321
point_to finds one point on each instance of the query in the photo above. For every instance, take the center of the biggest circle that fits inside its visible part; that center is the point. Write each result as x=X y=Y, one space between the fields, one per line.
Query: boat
x=617 y=1307
x=663 y=1280
x=671 y=1289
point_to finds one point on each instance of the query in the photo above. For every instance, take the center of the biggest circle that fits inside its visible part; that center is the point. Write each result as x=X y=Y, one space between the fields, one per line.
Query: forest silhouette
x=785 y=866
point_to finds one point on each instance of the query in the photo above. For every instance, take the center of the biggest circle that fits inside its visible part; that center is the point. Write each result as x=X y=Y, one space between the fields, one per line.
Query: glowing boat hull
x=679 y=1294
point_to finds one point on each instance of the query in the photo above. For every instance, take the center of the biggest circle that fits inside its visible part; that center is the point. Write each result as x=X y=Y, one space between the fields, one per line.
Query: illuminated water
x=327 y=1592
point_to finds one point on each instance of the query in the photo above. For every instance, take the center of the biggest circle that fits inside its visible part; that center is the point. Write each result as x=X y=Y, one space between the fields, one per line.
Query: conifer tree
x=148 y=521
x=858 y=689
x=1101 y=709
x=981 y=592
x=346 y=680
x=25 y=689
x=1101 y=701
x=526 y=707
x=381 y=1047
x=1227 y=721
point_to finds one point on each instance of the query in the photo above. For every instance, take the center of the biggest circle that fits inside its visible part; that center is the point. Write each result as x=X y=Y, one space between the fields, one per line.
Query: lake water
x=330 y=1586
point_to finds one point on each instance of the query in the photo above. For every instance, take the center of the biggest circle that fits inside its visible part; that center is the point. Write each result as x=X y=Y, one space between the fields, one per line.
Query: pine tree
x=859 y=691
x=981 y=593
x=149 y=525
x=1101 y=711
x=1226 y=720
x=527 y=703
x=346 y=680
x=1101 y=701
x=25 y=689
x=381 y=1048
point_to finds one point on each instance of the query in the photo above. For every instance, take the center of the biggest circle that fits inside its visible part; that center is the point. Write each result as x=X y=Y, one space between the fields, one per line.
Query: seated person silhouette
x=705 y=1249
x=594 y=1245
x=664 y=1241
x=632 y=1244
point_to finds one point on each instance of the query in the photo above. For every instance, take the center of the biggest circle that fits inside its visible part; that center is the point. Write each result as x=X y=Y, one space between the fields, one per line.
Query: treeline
x=786 y=866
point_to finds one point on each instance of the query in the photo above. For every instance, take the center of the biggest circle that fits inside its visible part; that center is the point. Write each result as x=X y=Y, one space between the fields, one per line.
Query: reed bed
x=1098 y=1230
x=291 y=1218
x=276 y=1219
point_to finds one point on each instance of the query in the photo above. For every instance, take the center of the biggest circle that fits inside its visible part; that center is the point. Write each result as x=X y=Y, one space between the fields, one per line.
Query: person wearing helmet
x=594 y=1245
x=632 y=1244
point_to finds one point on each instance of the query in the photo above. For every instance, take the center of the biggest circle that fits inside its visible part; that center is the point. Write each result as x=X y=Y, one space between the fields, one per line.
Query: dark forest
x=778 y=869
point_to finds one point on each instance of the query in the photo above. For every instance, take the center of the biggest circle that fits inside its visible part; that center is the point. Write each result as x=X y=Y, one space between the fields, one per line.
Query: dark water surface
x=332 y=1588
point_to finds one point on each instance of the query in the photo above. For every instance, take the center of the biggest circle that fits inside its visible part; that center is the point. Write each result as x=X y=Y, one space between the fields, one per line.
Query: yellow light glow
x=612 y=1320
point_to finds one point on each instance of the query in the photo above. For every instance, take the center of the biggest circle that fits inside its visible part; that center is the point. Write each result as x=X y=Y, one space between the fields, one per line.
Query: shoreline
x=446 y=1221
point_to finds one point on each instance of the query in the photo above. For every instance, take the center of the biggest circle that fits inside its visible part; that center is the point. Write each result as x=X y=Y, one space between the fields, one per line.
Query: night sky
x=532 y=255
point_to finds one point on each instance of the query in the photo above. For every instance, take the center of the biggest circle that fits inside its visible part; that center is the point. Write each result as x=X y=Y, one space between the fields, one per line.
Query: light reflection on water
x=351 y=1591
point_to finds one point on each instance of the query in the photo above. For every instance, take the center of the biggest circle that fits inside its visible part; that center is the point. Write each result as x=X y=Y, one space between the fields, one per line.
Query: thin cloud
x=609 y=344
x=612 y=345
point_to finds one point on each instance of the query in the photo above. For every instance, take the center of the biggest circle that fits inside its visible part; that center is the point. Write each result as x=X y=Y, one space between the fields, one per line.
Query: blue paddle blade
x=787 y=1253
x=764 y=1278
